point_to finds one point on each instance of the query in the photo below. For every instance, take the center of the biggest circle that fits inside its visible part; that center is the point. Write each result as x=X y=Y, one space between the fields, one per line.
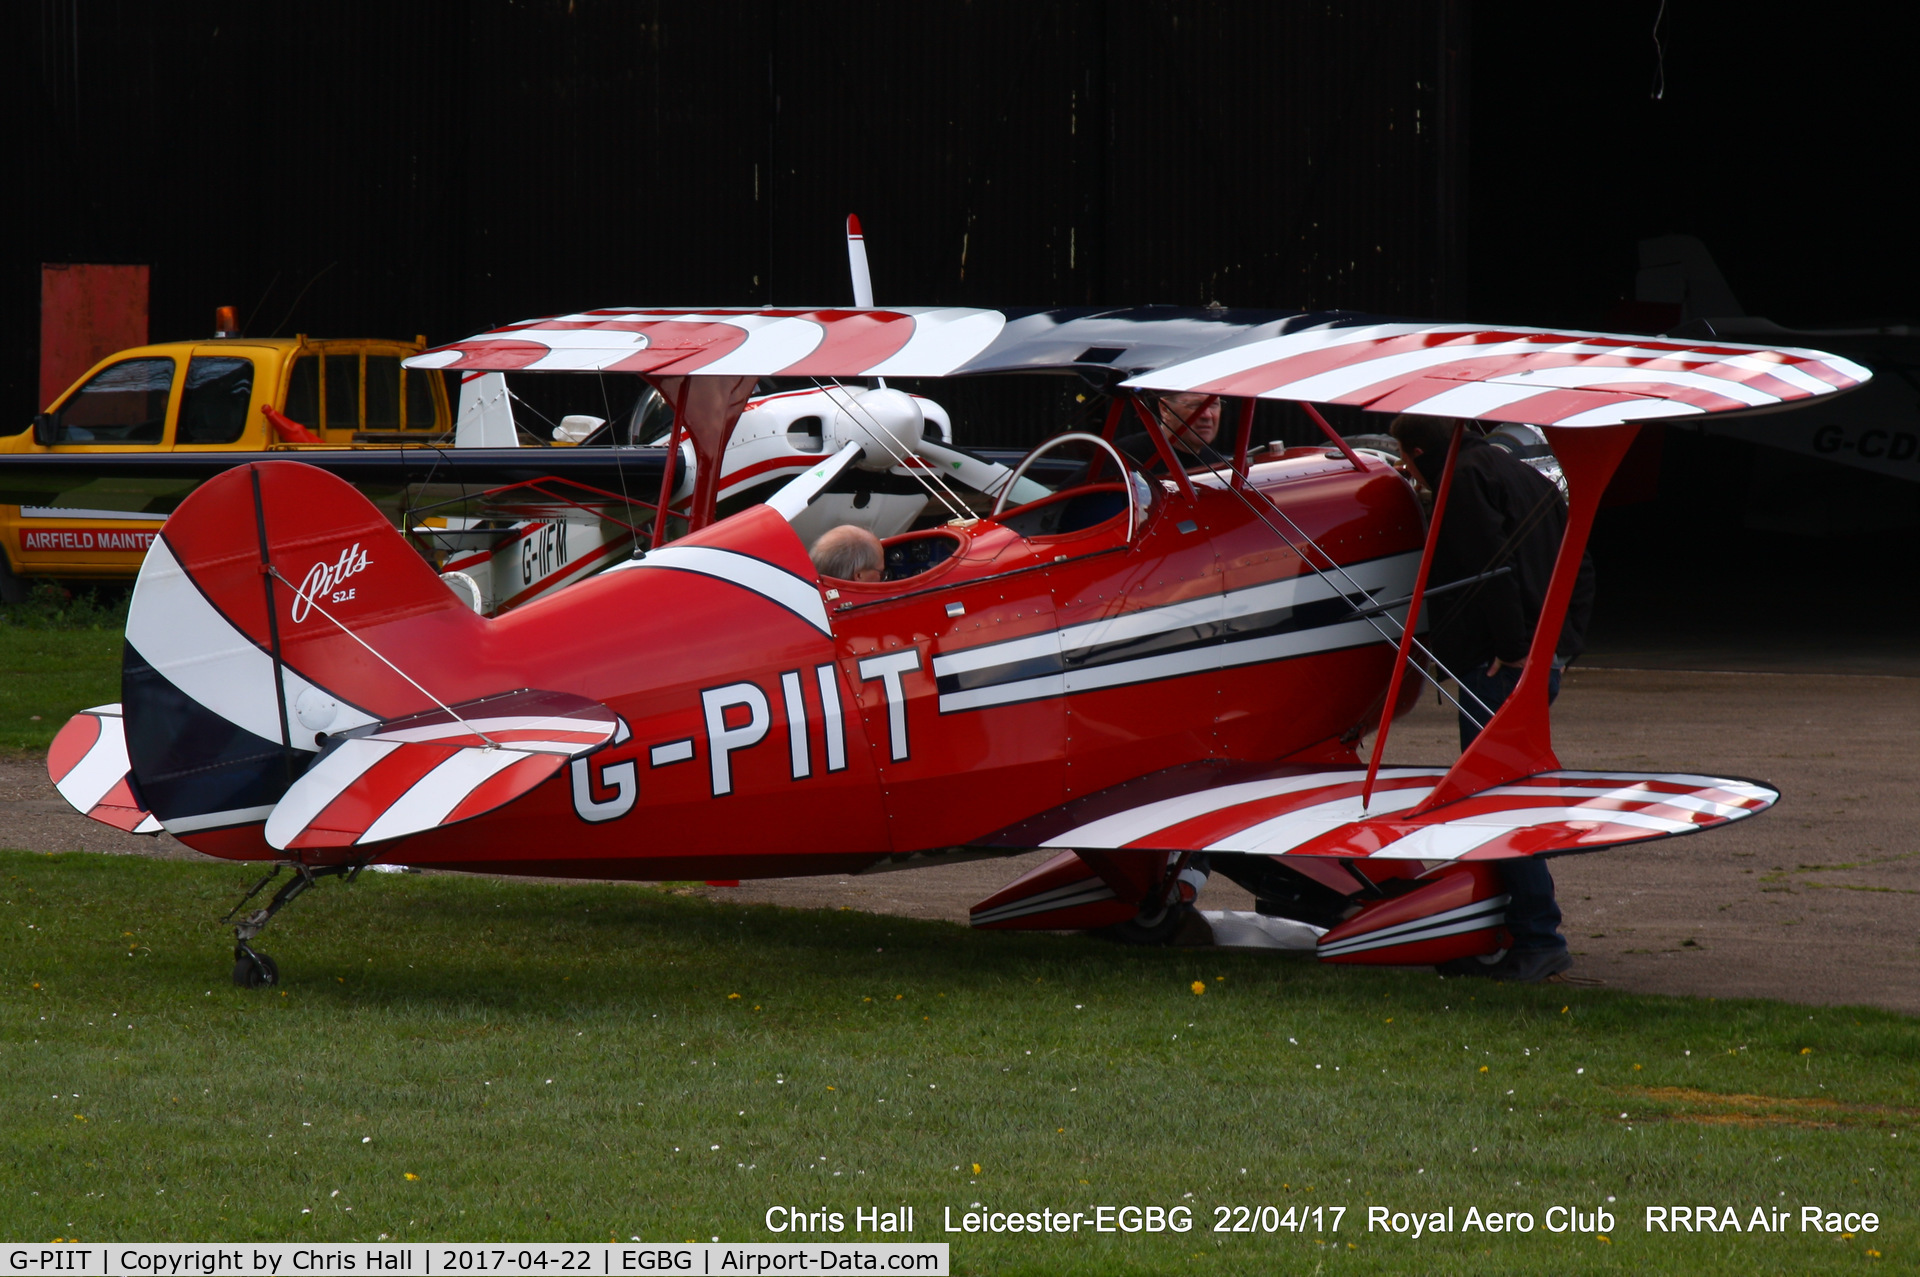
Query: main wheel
x=254 y=970
x=1155 y=925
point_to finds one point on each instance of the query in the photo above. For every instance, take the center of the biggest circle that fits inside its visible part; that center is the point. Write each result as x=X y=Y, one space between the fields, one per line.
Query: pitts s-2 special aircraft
x=1134 y=665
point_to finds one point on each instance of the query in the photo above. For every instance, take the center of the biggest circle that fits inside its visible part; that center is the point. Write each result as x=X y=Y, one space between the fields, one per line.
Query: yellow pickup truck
x=208 y=396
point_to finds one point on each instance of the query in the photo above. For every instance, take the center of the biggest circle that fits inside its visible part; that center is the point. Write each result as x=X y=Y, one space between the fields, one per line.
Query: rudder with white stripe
x=277 y=608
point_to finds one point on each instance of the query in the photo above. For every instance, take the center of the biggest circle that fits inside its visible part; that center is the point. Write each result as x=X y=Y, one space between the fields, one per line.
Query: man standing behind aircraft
x=1501 y=514
x=1192 y=422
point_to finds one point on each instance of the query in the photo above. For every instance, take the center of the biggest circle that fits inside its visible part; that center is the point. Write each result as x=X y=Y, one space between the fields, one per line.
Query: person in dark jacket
x=1192 y=423
x=1501 y=514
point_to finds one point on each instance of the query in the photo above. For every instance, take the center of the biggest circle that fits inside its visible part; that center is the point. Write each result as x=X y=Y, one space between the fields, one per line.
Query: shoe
x=1531 y=966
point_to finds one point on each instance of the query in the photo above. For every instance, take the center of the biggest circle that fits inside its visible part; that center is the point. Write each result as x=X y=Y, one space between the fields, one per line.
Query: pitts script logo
x=324 y=580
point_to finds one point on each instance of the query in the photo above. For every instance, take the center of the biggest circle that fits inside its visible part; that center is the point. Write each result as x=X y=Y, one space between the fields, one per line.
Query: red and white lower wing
x=1531 y=375
x=905 y=341
x=408 y=775
x=1316 y=811
x=87 y=763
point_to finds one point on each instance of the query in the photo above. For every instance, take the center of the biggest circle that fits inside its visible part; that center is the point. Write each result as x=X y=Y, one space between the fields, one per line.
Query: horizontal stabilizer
x=407 y=775
x=88 y=765
x=1313 y=810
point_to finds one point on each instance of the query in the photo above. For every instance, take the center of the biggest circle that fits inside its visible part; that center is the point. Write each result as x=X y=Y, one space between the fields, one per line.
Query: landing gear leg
x=251 y=968
x=1168 y=917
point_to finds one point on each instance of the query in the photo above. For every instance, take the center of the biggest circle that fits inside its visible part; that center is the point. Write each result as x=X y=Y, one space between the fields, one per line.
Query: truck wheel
x=12 y=588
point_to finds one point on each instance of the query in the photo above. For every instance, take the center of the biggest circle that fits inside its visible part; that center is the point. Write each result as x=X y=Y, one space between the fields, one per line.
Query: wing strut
x=706 y=407
x=1518 y=742
x=1175 y=470
x=1413 y=610
x=1241 y=438
x=1374 y=608
x=663 y=510
x=1346 y=449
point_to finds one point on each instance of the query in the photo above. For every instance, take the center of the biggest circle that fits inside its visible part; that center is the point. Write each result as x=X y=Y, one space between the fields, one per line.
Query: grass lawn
x=52 y=674
x=471 y=1059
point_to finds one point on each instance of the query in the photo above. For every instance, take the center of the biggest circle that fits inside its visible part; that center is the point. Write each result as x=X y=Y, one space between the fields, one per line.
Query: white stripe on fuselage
x=1393 y=573
x=799 y=596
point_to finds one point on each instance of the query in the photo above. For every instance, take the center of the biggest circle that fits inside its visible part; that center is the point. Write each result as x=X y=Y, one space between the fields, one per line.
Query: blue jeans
x=1533 y=916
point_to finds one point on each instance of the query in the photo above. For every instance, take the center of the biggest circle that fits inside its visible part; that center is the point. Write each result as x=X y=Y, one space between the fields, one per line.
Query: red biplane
x=1134 y=665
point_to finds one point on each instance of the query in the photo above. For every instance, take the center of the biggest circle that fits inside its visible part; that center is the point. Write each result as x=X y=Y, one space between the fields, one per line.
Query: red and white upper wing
x=904 y=341
x=1531 y=375
x=411 y=774
x=1315 y=811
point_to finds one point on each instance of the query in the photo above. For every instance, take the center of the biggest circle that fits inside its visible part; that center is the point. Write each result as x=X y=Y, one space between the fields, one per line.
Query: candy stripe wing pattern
x=87 y=763
x=1532 y=375
x=1286 y=810
x=407 y=775
x=907 y=341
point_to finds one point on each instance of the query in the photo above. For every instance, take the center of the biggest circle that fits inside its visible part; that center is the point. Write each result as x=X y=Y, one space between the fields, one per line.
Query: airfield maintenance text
x=604 y=1259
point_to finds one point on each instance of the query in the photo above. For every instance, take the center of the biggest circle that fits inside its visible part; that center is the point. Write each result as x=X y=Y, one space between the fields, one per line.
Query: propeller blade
x=857 y=263
x=800 y=492
x=982 y=476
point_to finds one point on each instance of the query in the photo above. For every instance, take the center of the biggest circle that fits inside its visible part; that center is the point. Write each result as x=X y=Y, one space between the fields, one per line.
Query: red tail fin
x=279 y=605
x=306 y=567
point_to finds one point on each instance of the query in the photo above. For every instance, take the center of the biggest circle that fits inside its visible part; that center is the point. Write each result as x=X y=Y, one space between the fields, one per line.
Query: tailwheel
x=253 y=969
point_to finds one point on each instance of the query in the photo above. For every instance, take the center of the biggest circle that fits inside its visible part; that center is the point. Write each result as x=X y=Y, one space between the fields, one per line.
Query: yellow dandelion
x=1059 y=1130
x=1199 y=987
x=1806 y=1050
x=1483 y=1068
x=1603 y=1237
x=1636 y=1068
x=976 y=1168
x=1389 y=1019
x=1563 y=1010
x=732 y=996
x=411 y=1175
x=829 y=1088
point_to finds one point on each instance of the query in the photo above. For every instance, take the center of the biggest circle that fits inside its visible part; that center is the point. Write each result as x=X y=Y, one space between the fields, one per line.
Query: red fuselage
x=1027 y=666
